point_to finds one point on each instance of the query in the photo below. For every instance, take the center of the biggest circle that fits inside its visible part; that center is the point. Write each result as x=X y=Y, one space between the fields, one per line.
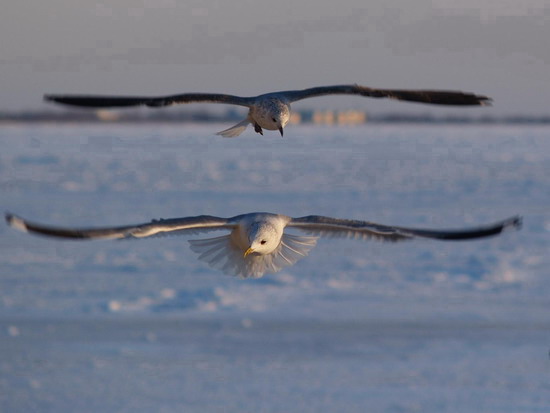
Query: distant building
x=351 y=117
x=346 y=117
x=295 y=118
x=107 y=115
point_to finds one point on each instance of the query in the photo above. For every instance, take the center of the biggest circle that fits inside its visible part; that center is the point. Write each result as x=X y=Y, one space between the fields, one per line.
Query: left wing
x=156 y=227
x=101 y=101
x=435 y=97
x=325 y=226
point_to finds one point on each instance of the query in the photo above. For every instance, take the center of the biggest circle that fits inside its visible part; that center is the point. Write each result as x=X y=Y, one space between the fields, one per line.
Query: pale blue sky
x=499 y=48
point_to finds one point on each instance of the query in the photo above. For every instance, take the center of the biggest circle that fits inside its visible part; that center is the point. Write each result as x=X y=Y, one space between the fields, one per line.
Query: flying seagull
x=256 y=243
x=272 y=110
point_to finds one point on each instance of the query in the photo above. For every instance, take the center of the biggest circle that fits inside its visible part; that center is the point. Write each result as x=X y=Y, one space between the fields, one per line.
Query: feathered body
x=256 y=243
x=271 y=111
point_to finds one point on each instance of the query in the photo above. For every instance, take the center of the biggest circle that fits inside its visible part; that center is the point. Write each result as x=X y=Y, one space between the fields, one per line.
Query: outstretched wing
x=325 y=226
x=99 y=101
x=435 y=97
x=156 y=227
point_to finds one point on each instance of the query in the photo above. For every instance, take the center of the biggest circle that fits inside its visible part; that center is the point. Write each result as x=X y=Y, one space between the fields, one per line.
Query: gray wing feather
x=99 y=101
x=156 y=227
x=325 y=226
x=435 y=97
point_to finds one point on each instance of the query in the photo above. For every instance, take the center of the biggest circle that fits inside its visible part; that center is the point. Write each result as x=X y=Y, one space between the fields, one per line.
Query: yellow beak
x=248 y=251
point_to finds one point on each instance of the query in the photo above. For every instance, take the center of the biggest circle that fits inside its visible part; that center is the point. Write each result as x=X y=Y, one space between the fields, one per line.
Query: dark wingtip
x=515 y=222
x=485 y=100
x=15 y=222
x=472 y=99
x=54 y=98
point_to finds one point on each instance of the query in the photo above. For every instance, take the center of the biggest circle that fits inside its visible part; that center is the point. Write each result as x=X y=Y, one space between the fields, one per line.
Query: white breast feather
x=224 y=254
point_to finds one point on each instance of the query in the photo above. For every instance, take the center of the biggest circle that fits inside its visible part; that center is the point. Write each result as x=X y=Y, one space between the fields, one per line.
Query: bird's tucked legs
x=258 y=129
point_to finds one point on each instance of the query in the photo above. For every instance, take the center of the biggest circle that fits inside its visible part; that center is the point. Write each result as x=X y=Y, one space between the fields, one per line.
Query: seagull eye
x=263 y=241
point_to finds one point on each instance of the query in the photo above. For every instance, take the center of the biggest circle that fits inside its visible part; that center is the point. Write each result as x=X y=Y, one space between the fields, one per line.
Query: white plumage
x=271 y=111
x=256 y=243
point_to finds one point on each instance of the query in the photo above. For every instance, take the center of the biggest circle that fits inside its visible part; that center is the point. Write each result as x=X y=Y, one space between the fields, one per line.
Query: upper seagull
x=272 y=110
x=256 y=243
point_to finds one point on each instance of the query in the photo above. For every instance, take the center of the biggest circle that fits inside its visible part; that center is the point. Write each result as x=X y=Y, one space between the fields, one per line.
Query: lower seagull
x=257 y=242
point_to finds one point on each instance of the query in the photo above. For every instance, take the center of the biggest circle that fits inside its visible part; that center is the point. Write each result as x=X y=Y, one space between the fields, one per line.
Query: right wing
x=100 y=101
x=345 y=228
x=156 y=227
x=434 y=97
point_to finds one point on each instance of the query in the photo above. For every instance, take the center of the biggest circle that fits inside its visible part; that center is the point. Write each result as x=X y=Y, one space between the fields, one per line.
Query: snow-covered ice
x=144 y=326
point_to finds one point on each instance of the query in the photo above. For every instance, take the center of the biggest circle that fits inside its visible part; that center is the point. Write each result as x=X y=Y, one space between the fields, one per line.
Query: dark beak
x=281 y=130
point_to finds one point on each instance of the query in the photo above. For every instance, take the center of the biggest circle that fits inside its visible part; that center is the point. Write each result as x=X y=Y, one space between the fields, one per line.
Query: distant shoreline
x=302 y=117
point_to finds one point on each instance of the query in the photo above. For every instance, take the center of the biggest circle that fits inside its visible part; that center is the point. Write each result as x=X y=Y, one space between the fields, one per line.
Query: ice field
x=143 y=325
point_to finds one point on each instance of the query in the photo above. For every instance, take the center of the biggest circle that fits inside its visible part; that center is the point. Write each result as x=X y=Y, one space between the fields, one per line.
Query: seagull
x=257 y=242
x=271 y=111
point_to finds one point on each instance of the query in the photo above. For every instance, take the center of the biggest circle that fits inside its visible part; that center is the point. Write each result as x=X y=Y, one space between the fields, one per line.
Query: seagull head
x=283 y=118
x=279 y=118
x=263 y=238
x=272 y=114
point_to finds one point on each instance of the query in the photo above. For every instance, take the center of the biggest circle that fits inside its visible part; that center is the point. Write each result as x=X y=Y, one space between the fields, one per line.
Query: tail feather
x=234 y=131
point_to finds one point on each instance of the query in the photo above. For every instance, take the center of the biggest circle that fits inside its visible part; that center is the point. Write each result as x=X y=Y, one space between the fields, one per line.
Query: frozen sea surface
x=356 y=326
